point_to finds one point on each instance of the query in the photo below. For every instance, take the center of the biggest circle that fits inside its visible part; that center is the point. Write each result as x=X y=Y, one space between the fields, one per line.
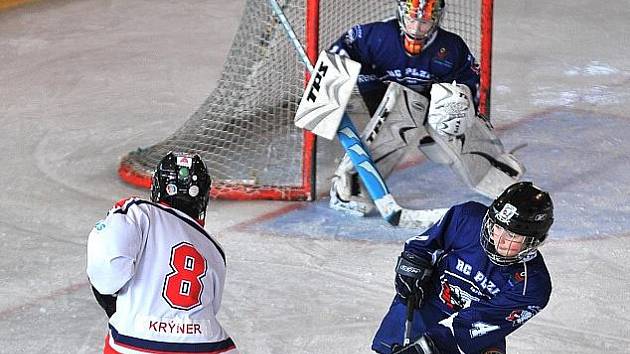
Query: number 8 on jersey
x=183 y=286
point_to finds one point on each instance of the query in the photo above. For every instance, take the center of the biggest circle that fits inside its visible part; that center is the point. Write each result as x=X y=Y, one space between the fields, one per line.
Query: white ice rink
x=83 y=82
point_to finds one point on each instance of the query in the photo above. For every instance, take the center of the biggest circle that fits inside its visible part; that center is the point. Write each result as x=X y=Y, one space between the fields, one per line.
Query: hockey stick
x=411 y=307
x=327 y=122
x=421 y=345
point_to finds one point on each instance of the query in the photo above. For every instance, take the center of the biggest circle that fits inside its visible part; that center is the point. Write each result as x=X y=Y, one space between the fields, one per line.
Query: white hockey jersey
x=169 y=275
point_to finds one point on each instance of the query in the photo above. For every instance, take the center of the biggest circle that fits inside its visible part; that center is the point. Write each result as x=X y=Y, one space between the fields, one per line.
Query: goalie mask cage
x=244 y=130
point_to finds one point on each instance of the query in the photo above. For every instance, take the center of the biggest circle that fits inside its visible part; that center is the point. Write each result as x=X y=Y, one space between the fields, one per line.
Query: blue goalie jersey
x=378 y=47
x=472 y=304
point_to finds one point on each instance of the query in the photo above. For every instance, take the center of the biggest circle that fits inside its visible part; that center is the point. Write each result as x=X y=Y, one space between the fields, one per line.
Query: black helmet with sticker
x=524 y=213
x=182 y=181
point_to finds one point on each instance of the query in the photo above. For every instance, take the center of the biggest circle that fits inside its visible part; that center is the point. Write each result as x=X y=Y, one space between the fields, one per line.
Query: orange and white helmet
x=419 y=21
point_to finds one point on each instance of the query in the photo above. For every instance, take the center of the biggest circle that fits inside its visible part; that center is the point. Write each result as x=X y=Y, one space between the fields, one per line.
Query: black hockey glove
x=412 y=275
x=107 y=302
x=424 y=345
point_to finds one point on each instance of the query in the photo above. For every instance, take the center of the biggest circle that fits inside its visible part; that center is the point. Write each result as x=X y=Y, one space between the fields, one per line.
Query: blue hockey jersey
x=472 y=304
x=379 y=48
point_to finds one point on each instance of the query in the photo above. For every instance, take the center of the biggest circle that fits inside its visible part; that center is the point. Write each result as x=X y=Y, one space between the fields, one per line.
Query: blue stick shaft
x=291 y=34
x=361 y=159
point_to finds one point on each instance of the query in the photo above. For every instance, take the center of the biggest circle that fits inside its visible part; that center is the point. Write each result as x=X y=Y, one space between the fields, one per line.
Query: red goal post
x=244 y=130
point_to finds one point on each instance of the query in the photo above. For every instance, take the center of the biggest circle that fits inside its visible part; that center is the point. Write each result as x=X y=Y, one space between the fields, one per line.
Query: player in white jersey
x=156 y=272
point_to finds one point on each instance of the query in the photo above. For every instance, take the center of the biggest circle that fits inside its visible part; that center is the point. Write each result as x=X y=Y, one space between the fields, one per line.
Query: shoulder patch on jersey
x=100 y=225
x=518 y=317
x=354 y=33
x=442 y=53
x=474 y=65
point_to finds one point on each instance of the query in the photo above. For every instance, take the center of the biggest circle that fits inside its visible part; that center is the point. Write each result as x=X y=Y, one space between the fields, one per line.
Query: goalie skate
x=342 y=200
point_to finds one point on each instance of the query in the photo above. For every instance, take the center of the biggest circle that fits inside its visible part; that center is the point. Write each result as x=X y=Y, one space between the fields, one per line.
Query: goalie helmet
x=419 y=21
x=182 y=182
x=516 y=224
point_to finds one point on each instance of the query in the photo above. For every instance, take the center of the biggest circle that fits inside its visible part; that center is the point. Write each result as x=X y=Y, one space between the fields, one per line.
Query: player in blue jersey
x=473 y=278
x=415 y=53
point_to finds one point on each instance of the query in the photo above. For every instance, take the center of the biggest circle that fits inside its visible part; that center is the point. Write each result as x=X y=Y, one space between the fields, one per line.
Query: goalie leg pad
x=477 y=157
x=434 y=152
x=504 y=173
x=396 y=123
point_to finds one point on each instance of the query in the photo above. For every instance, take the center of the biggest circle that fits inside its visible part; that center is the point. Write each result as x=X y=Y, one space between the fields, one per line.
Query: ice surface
x=83 y=82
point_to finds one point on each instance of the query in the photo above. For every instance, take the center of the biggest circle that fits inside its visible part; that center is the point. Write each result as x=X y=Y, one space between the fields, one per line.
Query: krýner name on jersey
x=173 y=326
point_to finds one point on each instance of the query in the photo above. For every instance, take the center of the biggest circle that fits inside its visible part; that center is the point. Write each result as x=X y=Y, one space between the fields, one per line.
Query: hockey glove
x=451 y=110
x=107 y=302
x=424 y=345
x=412 y=275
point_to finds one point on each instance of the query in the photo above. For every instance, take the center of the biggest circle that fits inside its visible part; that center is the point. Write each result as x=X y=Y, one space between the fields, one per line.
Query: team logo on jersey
x=516 y=278
x=454 y=297
x=441 y=58
x=507 y=213
x=475 y=68
x=353 y=33
x=442 y=53
x=100 y=225
x=474 y=65
x=518 y=317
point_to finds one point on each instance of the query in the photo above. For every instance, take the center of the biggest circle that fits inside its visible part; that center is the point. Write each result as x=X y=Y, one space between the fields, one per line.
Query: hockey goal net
x=244 y=130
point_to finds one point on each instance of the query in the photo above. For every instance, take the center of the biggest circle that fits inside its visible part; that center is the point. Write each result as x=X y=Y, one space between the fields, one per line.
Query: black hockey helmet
x=523 y=212
x=182 y=181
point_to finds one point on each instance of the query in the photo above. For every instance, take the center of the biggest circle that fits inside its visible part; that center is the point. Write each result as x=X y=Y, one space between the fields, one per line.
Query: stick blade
x=327 y=94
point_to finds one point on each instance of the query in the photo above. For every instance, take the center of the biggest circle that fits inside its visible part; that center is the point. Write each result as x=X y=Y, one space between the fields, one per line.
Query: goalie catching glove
x=412 y=275
x=451 y=110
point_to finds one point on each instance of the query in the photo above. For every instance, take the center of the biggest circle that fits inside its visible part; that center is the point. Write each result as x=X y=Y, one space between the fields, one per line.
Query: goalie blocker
x=322 y=111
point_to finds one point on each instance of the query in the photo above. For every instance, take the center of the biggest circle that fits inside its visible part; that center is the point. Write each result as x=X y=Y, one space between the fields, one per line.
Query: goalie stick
x=329 y=119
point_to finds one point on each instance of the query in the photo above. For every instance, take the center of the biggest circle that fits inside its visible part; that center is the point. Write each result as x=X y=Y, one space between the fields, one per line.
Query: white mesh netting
x=244 y=130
